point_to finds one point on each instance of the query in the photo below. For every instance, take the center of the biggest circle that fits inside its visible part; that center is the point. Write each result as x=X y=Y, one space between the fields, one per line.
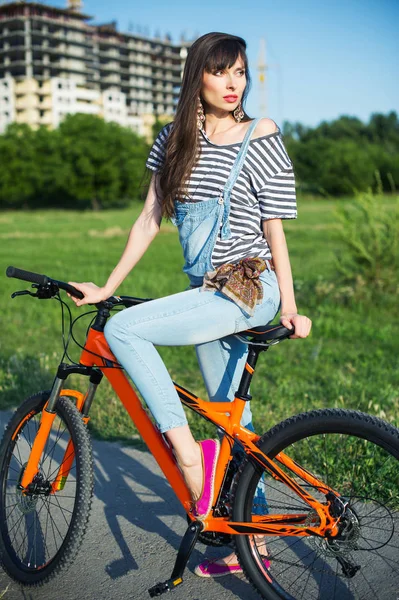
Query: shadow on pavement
x=136 y=544
x=132 y=488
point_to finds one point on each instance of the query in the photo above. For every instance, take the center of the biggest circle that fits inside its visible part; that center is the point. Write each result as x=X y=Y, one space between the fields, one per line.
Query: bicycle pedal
x=166 y=586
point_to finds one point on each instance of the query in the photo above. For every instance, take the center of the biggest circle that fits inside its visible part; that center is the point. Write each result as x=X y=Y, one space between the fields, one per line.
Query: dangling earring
x=200 y=115
x=238 y=113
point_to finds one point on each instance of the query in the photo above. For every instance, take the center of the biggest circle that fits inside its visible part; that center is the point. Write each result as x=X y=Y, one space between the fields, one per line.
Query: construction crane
x=263 y=81
x=262 y=68
x=75 y=5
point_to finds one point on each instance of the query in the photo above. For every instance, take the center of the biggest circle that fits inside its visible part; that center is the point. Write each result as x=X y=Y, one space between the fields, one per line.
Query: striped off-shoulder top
x=265 y=189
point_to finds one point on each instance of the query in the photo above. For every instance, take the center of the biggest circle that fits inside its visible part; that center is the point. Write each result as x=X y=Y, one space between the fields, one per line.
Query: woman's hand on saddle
x=301 y=323
x=92 y=293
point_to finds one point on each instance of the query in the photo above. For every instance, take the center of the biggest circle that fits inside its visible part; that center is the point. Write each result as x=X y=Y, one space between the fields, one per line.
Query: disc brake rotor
x=344 y=543
x=26 y=503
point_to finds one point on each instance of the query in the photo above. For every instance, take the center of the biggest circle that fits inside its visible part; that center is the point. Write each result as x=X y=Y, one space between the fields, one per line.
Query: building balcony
x=47 y=104
x=27 y=102
x=107 y=39
x=17 y=62
x=166 y=78
x=31 y=86
x=61 y=36
x=86 y=94
x=11 y=35
x=149 y=92
x=59 y=51
x=176 y=54
x=57 y=66
x=166 y=65
x=138 y=45
x=137 y=74
x=109 y=53
x=111 y=78
x=28 y=86
x=137 y=86
x=118 y=42
x=126 y=62
x=45 y=120
x=140 y=63
x=166 y=51
x=160 y=88
x=87 y=109
x=113 y=68
x=38 y=37
x=13 y=49
x=23 y=117
x=13 y=22
x=140 y=72
x=65 y=21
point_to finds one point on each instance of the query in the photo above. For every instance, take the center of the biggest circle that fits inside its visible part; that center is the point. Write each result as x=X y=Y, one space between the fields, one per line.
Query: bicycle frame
x=226 y=416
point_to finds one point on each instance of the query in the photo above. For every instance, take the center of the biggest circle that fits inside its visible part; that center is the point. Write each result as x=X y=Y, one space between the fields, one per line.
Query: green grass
x=350 y=360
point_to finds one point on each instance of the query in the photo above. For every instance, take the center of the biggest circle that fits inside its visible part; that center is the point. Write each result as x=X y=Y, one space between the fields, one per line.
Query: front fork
x=83 y=404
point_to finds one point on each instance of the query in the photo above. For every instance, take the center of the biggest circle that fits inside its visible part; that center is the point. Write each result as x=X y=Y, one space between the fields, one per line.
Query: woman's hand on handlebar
x=301 y=323
x=92 y=293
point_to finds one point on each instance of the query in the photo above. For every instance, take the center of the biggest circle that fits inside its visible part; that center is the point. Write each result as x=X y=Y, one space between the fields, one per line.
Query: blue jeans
x=205 y=319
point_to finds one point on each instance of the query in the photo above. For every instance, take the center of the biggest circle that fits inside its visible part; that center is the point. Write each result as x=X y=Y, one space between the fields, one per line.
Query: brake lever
x=44 y=292
x=22 y=293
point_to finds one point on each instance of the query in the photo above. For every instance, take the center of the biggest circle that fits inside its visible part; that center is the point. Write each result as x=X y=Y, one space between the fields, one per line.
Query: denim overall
x=200 y=222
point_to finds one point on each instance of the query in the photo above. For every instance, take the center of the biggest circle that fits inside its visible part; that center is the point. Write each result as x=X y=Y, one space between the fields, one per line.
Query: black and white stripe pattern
x=265 y=189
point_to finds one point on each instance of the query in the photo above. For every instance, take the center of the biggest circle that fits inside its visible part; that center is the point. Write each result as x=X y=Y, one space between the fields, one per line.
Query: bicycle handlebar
x=277 y=333
x=26 y=275
x=42 y=280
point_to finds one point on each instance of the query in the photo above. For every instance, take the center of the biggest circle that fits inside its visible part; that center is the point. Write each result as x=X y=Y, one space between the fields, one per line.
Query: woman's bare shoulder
x=265 y=126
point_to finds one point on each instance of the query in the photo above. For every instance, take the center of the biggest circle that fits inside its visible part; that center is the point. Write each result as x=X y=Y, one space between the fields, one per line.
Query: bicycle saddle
x=268 y=333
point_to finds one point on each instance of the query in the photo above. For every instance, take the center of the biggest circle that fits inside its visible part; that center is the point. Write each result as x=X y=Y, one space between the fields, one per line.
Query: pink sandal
x=211 y=568
x=210 y=453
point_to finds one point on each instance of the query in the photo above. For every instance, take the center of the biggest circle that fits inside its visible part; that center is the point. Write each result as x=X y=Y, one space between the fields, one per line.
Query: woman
x=226 y=181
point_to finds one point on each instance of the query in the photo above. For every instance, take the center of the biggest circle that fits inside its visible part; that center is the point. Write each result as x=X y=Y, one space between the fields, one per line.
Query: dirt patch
x=110 y=232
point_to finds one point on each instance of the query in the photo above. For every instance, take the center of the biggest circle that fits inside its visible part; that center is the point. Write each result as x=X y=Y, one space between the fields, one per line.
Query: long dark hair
x=210 y=53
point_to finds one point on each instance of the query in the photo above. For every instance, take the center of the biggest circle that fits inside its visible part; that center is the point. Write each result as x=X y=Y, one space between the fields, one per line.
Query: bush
x=367 y=260
x=366 y=257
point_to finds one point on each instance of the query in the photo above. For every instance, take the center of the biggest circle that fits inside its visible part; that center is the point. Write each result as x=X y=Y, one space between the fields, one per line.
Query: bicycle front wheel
x=356 y=455
x=40 y=532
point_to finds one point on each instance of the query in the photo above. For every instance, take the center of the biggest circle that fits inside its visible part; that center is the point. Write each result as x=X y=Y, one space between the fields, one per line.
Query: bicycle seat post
x=249 y=369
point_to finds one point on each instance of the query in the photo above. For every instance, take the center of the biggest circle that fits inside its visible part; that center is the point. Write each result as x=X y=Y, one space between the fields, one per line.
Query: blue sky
x=326 y=58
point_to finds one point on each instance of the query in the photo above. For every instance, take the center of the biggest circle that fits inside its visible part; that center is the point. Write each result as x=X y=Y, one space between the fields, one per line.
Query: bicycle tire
x=352 y=452
x=40 y=535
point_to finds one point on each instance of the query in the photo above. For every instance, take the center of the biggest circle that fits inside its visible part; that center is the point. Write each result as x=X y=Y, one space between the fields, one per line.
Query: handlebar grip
x=289 y=331
x=42 y=280
x=26 y=275
x=70 y=289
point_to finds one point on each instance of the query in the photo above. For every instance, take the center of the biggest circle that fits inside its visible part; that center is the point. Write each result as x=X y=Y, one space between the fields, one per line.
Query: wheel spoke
x=39 y=529
x=46 y=452
x=360 y=561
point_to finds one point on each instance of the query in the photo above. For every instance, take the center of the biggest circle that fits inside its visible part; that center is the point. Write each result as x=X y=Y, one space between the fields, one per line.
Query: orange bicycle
x=327 y=518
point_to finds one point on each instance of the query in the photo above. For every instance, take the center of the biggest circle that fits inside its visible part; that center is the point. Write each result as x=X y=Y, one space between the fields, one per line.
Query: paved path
x=134 y=532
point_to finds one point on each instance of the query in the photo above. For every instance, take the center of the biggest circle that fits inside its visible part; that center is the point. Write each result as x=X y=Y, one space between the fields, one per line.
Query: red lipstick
x=230 y=98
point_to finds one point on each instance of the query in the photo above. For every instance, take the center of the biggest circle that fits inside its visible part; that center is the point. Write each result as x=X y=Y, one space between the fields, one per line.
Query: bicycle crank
x=186 y=547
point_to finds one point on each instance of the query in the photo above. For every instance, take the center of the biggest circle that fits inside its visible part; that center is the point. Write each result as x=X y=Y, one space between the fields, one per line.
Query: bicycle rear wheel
x=40 y=533
x=355 y=454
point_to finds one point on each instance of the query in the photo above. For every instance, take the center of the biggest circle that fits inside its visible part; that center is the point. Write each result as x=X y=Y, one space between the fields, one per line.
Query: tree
x=106 y=160
x=90 y=162
x=19 y=176
x=342 y=156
